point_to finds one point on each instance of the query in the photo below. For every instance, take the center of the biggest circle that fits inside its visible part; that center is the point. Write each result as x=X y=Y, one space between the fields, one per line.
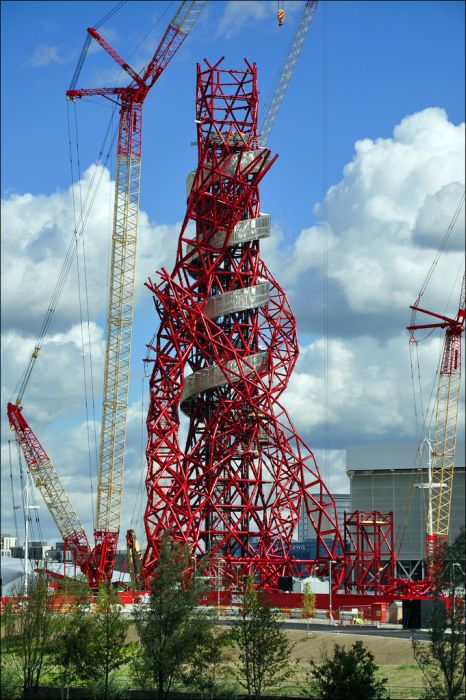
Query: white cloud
x=37 y=231
x=45 y=54
x=386 y=218
x=385 y=221
x=370 y=392
x=238 y=13
x=56 y=387
x=435 y=212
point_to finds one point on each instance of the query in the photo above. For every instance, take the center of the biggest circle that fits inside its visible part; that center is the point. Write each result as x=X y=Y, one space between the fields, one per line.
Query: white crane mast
x=286 y=71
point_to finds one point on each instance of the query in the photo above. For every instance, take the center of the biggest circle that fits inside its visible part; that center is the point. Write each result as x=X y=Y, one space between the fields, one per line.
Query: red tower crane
x=54 y=494
x=446 y=418
x=122 y=273
x=98 y=565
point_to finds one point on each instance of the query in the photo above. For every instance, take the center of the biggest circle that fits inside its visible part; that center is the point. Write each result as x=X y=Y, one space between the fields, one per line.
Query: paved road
x=368 y=630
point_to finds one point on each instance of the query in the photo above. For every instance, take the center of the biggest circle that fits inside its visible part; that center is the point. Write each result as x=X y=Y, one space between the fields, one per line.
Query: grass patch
x=404 y=681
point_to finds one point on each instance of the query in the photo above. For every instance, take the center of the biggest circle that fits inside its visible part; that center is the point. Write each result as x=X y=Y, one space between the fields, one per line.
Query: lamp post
x=331 y=561
x=27 y=508
x=219 y=581
x=453 y=586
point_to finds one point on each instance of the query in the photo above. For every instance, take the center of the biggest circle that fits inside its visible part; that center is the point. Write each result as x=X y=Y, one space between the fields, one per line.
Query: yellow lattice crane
x=442 y=458
x=122 y=274
x=98 y=564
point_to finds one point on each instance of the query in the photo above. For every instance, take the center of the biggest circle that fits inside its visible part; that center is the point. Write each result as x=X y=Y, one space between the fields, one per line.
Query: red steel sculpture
x=224 y=353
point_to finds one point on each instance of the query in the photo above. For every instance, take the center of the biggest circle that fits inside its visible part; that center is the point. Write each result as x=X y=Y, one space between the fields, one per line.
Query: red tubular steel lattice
x=371 y=555
x=224 y=352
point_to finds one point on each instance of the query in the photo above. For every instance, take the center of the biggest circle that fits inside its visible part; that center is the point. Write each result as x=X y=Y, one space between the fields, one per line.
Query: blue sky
x=386 y=75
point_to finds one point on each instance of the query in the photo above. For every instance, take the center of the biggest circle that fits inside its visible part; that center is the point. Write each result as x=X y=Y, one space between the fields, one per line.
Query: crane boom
x=446 y=419
x=119 y=330
x=98 y=564
x=178 y=29
x=122 y=276
x=53 y=492
x=286 y=71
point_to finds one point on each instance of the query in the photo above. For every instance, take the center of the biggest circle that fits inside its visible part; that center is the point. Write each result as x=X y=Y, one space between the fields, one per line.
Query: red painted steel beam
x=223 y=355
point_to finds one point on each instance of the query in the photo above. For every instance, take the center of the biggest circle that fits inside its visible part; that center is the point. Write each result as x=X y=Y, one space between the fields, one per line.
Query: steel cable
x=80 y=302
x=69 y=256
x=12 y=488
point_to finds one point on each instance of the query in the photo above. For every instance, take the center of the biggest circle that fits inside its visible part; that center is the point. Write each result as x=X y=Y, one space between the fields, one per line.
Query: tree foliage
x=28 y=627
x=107 y=648
x=442 y=660
x=206 y=671
x=90 y=643
x=70 y=646
x=264 y=649
x=171 y=630
x=309 y=603
x=348 y=674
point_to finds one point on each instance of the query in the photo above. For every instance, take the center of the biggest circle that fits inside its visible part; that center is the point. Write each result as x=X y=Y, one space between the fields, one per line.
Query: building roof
x=391 y=455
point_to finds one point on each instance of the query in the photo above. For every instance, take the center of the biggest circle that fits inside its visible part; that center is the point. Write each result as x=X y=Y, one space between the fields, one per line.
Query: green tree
x=90 y=643
x=348 y=674
x=70 y=646
x=264 y=649
x=206 y=672
x=107 y=649
x=309 y=603
x=28 y=627
x=442 y=660
x=171 y=630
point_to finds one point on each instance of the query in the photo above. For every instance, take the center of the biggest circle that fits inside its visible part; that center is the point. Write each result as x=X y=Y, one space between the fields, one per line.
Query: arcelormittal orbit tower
x=224 y=352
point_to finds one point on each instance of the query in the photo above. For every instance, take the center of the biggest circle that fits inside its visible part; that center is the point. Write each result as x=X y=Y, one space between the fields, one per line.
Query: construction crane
x=53 y=492
x=285 y=71
x=122 y=273
x=119 y=314
x=442 y=458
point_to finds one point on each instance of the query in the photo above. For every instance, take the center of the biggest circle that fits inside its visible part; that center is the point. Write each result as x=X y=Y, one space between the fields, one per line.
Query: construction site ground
x=393 y=656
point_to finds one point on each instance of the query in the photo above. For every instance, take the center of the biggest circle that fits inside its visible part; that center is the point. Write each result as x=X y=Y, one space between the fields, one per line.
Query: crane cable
x=428 y=419
x=22 y=384
x=438 y=254
x=428 y=416
x=80 y=301
x=94 y=185
x=13 y=500
x=413 y=341
x=87 y=43
x=325 y=223
x=110 y=13
x=27 y=484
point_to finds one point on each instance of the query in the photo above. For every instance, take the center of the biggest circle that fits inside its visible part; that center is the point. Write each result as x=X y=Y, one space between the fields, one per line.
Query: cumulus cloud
x=45 y=54
x=385 y=220
x=238 y=13
x=37 y=232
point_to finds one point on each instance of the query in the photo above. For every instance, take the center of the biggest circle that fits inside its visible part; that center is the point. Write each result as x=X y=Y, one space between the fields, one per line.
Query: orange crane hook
x=280 y=14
